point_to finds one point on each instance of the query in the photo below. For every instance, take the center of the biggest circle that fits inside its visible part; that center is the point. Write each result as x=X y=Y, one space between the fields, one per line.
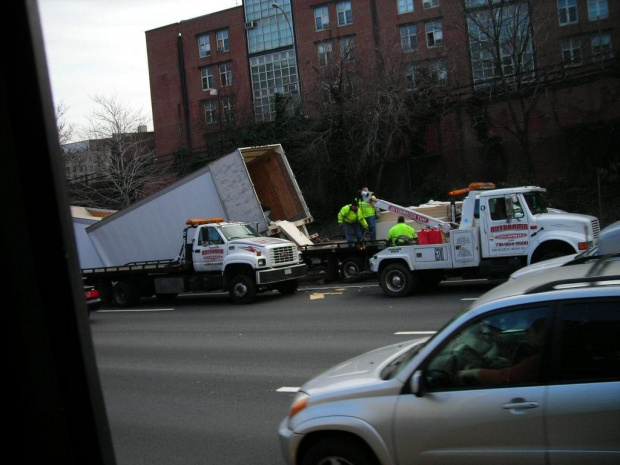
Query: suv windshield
x=239 y=231
x=536 y=203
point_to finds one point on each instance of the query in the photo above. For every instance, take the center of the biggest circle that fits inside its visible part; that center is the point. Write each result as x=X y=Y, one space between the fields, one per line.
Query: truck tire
x=125 y=294
x=242 y=289
x=351 y=268
x=287 y=287
x=396 y=280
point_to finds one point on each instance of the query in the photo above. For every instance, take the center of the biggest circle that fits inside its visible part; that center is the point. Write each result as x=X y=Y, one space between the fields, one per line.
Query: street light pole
x=290 y=25
x=278 y=7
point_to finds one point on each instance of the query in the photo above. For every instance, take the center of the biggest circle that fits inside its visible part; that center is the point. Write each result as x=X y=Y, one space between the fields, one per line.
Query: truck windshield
x=536 y=202
x=239 y=231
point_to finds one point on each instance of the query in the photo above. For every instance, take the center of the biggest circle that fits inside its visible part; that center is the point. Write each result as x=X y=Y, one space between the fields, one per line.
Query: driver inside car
x=522 y=372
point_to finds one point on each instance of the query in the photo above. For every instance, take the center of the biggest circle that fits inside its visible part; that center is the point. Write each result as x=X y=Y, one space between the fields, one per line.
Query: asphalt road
x=202 y=381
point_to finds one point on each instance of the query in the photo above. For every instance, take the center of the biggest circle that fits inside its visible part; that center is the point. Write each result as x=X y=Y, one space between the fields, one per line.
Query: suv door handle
x=520 y=404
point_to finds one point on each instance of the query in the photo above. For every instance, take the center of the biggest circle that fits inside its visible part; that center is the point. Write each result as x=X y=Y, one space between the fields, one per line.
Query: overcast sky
x=98 y=47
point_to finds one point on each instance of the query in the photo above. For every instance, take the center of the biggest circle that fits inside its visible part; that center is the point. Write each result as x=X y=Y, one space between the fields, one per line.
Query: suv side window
x=501 y=349
x=589 y=342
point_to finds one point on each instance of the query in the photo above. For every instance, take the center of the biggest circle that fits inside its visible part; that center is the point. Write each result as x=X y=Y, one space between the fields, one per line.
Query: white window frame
x=406 y=39
x=572 y=52
x=321 y=18
x=411 y=72
x=434 y=33
x=404 y=6
x=208 y=78
x=598 y=9
x=204 y=46
x=226 y=76
x=223 y=44
x=228 y=107
x=426 y=4
x=565 y=8
x=603 y=50
x=325 y=52
x=344 y=13
x=347 y=48
x=210 y=109
x=438 y=71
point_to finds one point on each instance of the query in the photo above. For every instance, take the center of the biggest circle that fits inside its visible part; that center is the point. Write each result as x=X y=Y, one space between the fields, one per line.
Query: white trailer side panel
x=86 y=252
x=152 y=229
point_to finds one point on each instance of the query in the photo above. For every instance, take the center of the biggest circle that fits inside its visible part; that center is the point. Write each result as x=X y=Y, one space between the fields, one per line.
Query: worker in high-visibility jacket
x=401 y=233
x=365 y=200
x=350 y=216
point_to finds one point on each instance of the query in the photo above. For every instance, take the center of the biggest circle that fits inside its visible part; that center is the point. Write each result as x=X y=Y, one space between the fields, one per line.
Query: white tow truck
x=498 y=232
x=215 y=255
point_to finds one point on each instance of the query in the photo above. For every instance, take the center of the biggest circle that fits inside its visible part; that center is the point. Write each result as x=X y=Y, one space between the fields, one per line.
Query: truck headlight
x=262 y=262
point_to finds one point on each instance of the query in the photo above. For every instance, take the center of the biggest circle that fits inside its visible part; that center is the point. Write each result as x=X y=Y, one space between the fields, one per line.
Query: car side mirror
x=417 y=383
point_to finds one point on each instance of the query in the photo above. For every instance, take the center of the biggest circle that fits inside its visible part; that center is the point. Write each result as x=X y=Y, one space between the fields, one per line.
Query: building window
x=345 y=15
x=571 y=52
x=601 y=47
x=325 y=53
x=405 y=6
x=409 y=38
x=567 y=12
x=438 y=72
x=207 y=78
x=222 y=41
x=434 y=34
x=347 y=48
x=226 y=77
x=271 y=74
x=410 y=75
x=597 y=9
x=204 y=46
x=321 y=18
x=501 y=50
x=426 y=4
x=270 y=28
x=210 y=112
x=228 y=108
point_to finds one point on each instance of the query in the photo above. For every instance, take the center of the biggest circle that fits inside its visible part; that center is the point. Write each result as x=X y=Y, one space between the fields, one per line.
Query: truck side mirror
x=513 y=207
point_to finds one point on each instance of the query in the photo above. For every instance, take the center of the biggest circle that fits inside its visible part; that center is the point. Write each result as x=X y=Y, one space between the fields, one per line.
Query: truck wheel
x=287 y=287
x=242 y=289
x=396 y=280
x=125 y=294
x=351 y=268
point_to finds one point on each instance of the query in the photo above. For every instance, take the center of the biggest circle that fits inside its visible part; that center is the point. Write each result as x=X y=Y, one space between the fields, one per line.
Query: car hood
x=359 y=371
x=544 y=265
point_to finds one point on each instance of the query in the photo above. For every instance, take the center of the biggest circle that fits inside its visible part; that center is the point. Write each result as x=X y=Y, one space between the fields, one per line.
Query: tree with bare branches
x=124 y=163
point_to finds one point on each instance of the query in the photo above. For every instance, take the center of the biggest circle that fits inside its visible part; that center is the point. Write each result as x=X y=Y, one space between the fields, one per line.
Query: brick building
x=556 y=59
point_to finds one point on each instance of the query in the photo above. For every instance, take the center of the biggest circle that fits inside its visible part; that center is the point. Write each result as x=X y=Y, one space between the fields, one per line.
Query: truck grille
x=281 y=255
x=596 y=229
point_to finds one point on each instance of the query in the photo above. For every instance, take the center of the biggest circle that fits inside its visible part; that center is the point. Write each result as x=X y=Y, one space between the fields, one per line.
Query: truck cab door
x=504 y=227
x=209 y=249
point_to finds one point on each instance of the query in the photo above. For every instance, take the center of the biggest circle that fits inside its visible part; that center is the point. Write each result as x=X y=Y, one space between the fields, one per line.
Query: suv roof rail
x=573 y=283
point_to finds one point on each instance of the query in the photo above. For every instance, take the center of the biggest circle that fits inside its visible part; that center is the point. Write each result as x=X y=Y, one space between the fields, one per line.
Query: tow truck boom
x=418 y=217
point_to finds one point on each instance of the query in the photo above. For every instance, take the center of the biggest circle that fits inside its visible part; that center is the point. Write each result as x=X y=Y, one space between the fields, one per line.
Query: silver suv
x=529 y=374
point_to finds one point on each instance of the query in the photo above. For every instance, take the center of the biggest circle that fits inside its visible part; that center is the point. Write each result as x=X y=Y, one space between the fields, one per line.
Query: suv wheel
x=338 y=451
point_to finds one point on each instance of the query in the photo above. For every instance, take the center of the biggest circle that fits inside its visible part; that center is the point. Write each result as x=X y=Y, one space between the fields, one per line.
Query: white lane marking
x=287 y=389
x=401 y=333
x=137 y=310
